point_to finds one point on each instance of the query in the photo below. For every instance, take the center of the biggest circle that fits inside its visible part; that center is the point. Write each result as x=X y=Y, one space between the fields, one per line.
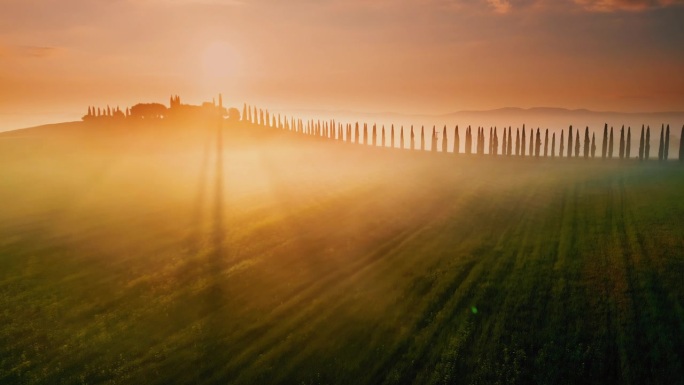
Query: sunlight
x=220 y=61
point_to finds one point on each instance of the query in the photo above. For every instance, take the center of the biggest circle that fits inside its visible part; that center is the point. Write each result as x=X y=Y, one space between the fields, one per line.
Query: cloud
x=26 y=51
x=625 y=5
x=500 y=6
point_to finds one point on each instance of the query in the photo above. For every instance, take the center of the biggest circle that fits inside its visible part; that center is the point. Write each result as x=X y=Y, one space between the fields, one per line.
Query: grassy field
x=159 y=254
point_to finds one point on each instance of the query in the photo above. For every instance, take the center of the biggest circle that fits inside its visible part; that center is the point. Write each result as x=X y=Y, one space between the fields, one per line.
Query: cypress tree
x=457 y=141
x=356 y=134
x=517 y=141
x=681 y=146
x=504 y=148
x=383 y=135
x=593 y=145
x=509 y=149
x=413 y=139
x=570 y=142
x=401 y=138
x=562 y=145
x=244 y=112
x=553 y=145
x=641 y=144
x=422 y=138
x=662 y=143
x=445 y=143
x=628 y=144
x=604 y=149
x=433 y=143
x=622 y=142
x=647 y=146
x=531 y=142
x=365 y=133
x=491 y=141
x=610 y=144
x=587 y=143
x=496 y=142
x=666 y=149
x=546 y=143
x=577 y=144
x=392 y=137
x=537 y=150
x=522 y=145
x=374 y=136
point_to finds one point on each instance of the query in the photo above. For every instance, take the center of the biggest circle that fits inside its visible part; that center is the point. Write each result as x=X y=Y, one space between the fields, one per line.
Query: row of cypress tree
x=576 y=147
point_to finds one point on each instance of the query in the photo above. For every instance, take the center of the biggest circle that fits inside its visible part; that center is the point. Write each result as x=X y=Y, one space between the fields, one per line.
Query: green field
x=158 y=254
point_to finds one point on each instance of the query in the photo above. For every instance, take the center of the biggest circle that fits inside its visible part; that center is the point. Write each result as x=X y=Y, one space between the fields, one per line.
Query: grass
x=160 y=254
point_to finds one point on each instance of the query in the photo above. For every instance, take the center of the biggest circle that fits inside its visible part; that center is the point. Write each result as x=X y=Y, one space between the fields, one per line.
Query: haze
x=406 y=56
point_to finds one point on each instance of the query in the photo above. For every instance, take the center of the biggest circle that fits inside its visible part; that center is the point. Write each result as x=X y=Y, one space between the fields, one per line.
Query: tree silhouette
x=375 y=134
x=546 y=143
x=468 y=141
x=577 y=144
x=491 y=141
x=148 y=111
x=604 y=149
x=610 y=144
x=532 y=141
x=662 y=143
x=433 y=142
x=681 y=146
x=510 y=142
x=628 y=144
x=392 y=137
x=647 y=148
x=401 y=138
x=570 y=142
x=666 y=149
x=593 y=145
x=413 y=139
x=422 y=138
x=356 y=133
x=641 y=144
x=522 y=143
x=553 y=145
x=383 y=135
x=365 y=133
x=537 y=149
x=504 y=148
x=457 y=141
x=444 y=140
x=622 y=142
x=562 y=145
x=587 y=143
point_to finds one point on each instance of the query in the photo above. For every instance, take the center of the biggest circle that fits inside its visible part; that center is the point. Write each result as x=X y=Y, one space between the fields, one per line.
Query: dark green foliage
x=628 y=144
x=622 y=143
x=610 y=144
x=577 y=144
x=642 y=144
x=604 y=149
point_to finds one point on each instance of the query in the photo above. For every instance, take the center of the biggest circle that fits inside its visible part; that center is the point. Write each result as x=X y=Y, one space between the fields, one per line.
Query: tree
x=468 y=141
x=577 y=144
x=356 y=133
x=433 y=142
x=504 y=148
x=522 y=145
x=517 y=141
x=587 y=143
x=531 y=141
x=553 y=145
x=666 y=149
x=233 y=114
x=148 y=111
x=662 y=143
x=610 y=144
x=444 y=140
x=570 y=142
x=546 y=143
x=593 y=145
x=365 y=133
x=641 y=144
x=537 y=149
x=392 y=137
x=491 y=140
x=383 y=135
x=560 y=153
x=496 y=142
x=413 y=139
x=457 y=141
x=622 y=142
x=647 y=148
x=422 y=138
x=628 y=144
x=375 y=135
x=604 y=148
x=401 y=138
x=681 y=146
x=509 y=150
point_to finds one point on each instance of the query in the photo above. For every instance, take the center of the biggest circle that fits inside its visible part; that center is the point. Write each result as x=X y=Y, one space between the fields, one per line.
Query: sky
x=406 y=56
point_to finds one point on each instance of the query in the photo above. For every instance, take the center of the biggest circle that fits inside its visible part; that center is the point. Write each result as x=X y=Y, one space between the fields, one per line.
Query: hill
x=207 y=253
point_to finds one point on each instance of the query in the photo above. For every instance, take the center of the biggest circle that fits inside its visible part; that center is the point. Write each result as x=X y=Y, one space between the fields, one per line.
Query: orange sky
x=414 y=56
